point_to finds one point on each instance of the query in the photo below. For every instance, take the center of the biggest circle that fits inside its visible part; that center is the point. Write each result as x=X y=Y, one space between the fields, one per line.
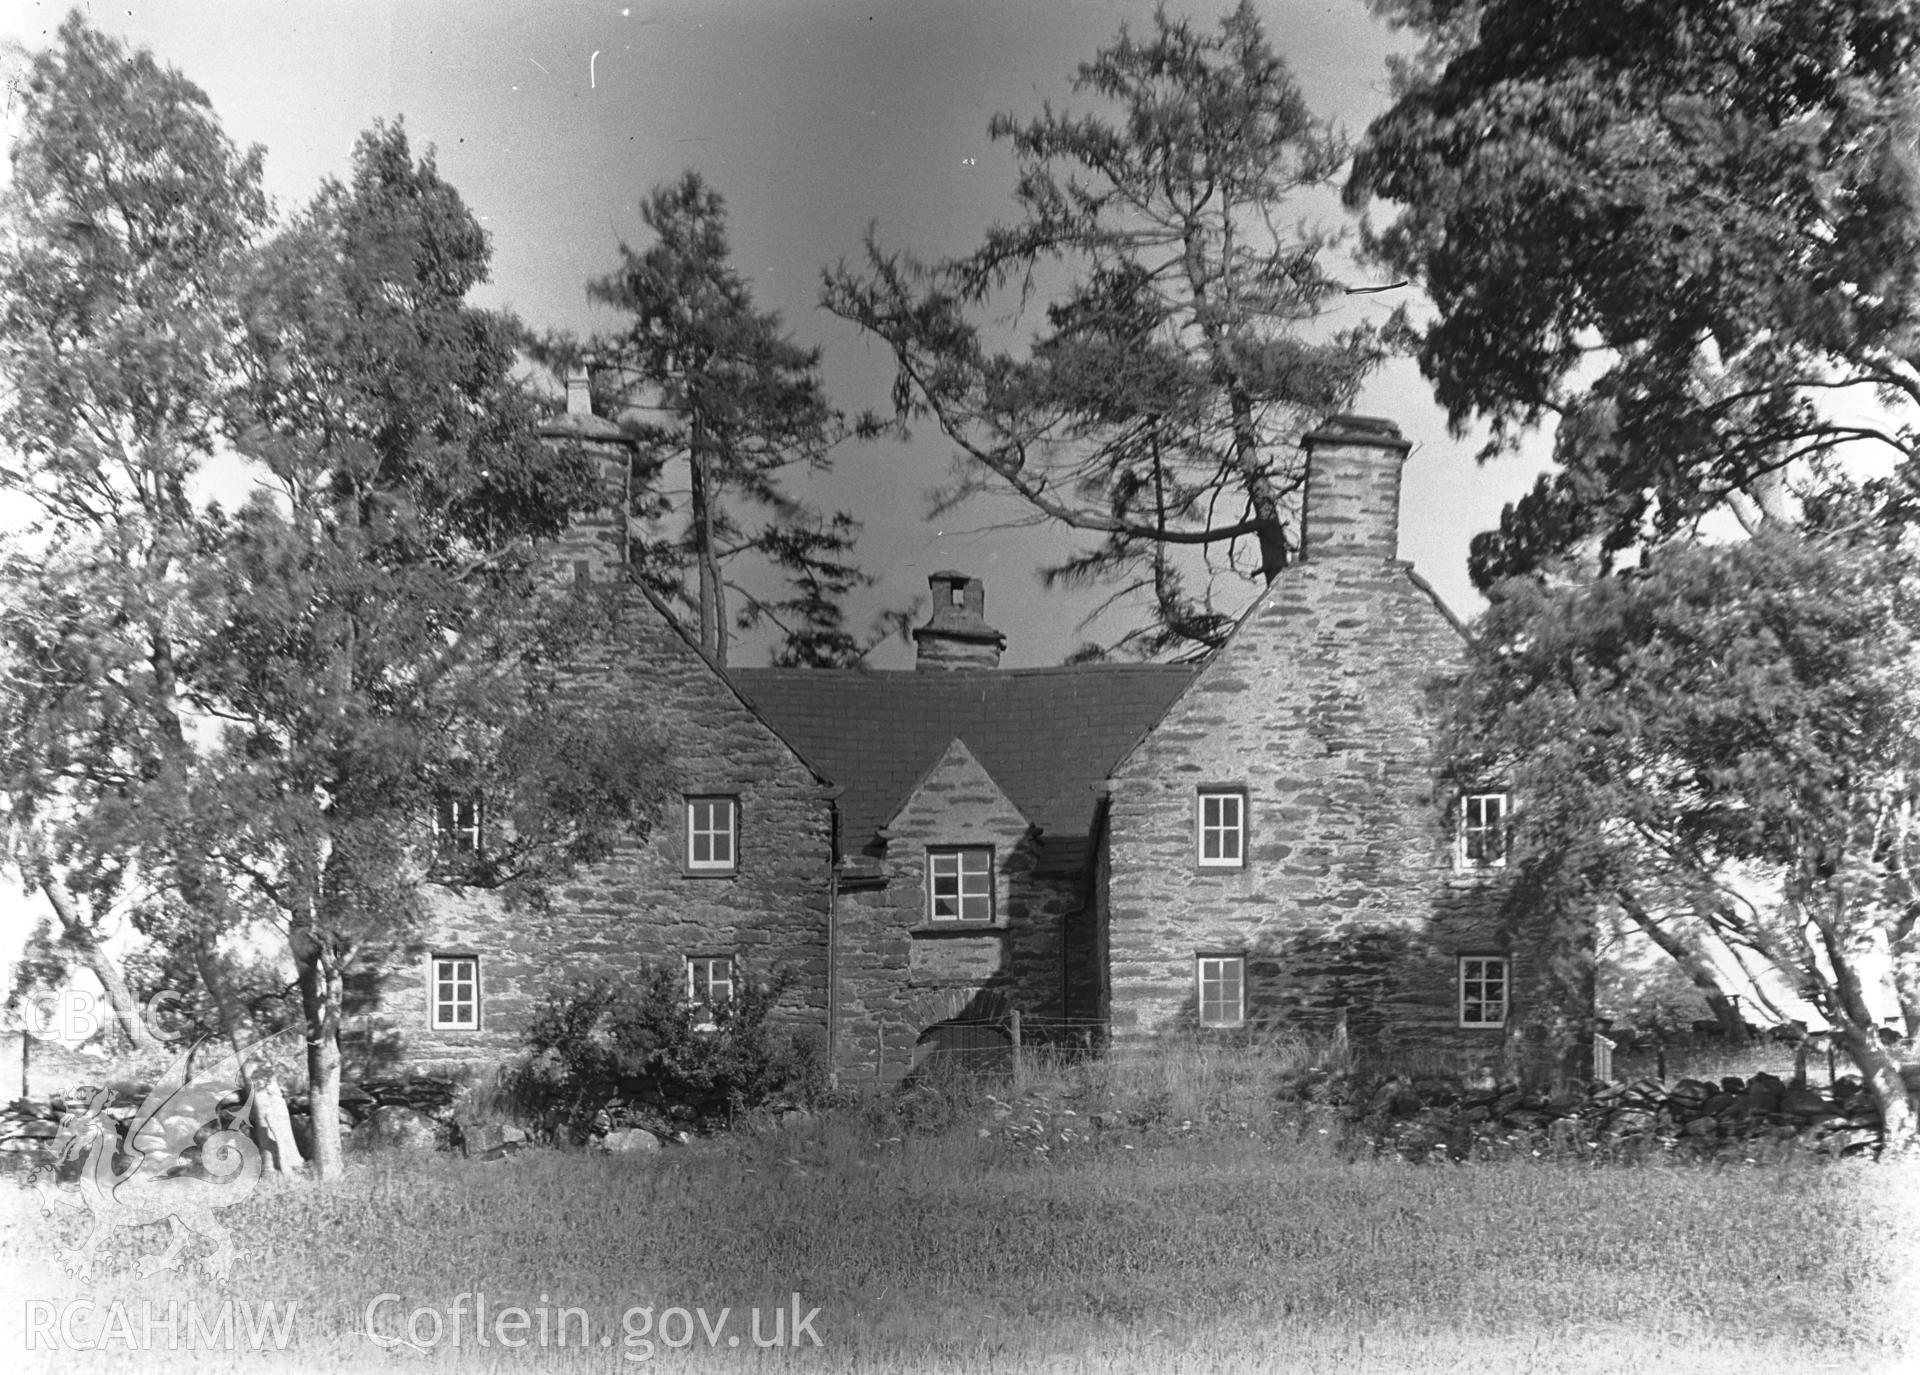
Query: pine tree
x=710 y=384
x=1185 y=348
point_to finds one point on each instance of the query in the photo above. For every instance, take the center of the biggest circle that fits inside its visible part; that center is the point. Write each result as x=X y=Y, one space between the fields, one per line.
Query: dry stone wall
x=1746 y=1119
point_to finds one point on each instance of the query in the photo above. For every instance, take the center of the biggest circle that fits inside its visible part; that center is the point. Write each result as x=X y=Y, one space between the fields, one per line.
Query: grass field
x=1197 y=1243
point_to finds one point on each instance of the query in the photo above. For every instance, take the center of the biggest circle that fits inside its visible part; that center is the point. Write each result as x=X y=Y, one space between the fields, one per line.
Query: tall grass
x=1203 y=1085
x=1232 y=1242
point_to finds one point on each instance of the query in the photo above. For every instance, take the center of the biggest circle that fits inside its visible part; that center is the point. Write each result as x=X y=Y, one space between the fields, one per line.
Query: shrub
x=636 y=1051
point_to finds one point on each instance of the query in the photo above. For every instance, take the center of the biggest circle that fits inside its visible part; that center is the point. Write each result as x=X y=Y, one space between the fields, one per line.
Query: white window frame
x=704 y=968
x=1479 y=975
x=1220 y=827
x=1214 y=969
x=967 y=888
x=1469 y=827
x=456 y=975
x=453 y=833
x=703 y=828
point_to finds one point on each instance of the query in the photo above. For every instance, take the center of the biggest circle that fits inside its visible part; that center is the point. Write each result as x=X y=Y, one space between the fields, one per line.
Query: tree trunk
x=272 y=1122
x=1697 y=968
x=1899 y=1114
x=1853 y=1019
x=81 y=936
x=1274 y=553
x=321 y=995
x=1255 y=480
x=713 y=608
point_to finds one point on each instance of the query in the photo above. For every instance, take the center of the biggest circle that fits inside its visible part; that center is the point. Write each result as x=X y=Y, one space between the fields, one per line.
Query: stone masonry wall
x=642 y=904
x=900 y=973
x=1320 y=709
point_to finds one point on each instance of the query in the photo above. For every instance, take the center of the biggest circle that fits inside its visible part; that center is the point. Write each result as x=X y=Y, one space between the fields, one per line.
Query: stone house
x=1114 y=852
x=1283 y=830
x=730 y=884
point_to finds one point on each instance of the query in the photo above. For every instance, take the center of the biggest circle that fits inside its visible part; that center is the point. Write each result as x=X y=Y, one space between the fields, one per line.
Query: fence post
x=1019 y=1059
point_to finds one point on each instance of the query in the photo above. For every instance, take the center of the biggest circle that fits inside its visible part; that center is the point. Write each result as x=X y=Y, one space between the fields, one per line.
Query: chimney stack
x=1352 y=504
x=579 y=391
x=957 y=634
x=593 y=548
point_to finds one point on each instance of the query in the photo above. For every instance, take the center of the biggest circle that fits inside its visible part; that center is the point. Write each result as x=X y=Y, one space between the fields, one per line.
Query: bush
x=636 y=1052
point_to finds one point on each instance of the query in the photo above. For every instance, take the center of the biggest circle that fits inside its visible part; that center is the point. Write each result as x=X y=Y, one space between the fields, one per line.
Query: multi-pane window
x=709 y=986
x=1483 y=990
x=960 y=884
x=1220 y=989
x=456 y=993
x=456 y=825
x=1483 y=830
x=712 y=834
x=1220 y=829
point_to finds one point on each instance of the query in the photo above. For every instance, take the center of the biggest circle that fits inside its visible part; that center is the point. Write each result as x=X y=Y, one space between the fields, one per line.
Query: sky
x=814 y=119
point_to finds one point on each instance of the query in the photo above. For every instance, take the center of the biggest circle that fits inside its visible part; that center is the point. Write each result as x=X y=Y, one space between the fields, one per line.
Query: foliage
x=568 y=785
x=1733 y=733
x=1690 y=232
x=179 y=1010
x=239 y=723
x=1646 y=995
x=1184 y=348
x=126 y=216
x=637 y=1047
x=380 y=640
x=730 y=396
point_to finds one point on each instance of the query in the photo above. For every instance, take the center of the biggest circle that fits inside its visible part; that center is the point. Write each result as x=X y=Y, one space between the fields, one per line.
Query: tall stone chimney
x=1352 y=505
x=957 y=634
x=594 y=547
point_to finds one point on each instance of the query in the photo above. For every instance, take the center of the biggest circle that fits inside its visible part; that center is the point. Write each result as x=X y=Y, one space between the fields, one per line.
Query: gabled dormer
x=966 y=841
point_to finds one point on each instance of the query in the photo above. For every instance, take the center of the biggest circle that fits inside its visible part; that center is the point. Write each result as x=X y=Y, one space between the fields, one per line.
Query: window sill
x=958 y=928
x=687 y=872
x=1467 y=878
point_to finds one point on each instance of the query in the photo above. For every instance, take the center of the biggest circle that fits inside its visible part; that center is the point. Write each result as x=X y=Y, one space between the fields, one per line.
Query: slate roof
x=1046 y=735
